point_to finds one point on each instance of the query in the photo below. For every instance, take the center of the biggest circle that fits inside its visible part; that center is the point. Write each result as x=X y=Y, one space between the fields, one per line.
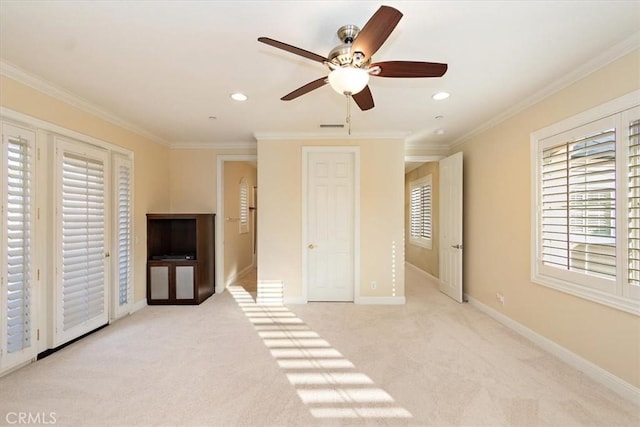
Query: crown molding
x=288 y=136
x=13 y=72
x=190 y=145
x=616 y=52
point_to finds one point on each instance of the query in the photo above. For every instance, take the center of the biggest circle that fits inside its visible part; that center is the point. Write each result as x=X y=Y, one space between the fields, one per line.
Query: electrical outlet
x=500 y=297
x=374 y=284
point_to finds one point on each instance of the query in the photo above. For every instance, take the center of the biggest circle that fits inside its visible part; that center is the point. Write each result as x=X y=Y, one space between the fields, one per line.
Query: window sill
x=614 y=301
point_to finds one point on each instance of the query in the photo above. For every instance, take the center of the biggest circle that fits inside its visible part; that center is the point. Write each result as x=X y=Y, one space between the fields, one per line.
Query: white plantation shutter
x=244 y=206
x=17 y=223
x=578 y=205
x=586 y=196
x=82 y=213
x=421 y=212
x=123 y=236
x=634 y=208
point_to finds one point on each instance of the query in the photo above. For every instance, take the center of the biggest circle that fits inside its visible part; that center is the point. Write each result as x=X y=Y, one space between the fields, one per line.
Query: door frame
x=219 y=243
x=355 y=150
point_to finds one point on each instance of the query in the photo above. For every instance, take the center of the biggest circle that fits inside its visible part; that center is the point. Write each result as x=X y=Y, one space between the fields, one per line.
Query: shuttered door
x=83 y=230
x=17 y=230
x=634 y=209
x=123 y=237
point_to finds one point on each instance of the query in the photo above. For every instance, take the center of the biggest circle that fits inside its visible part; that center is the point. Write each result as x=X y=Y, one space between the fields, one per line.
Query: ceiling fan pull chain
x=348 y=97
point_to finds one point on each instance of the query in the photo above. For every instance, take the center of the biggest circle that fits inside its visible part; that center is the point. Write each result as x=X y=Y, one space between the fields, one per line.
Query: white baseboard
x=139 y=305
x=294 y=300
x=422 y=272
x=381 y=300
x=604 y=377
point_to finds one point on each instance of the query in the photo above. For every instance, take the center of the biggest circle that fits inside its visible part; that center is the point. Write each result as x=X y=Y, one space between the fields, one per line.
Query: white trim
x=38 y=83
x=356 y=212
x=381 y=300
x=424 y=159
x=189 y=145
x=220 y=159
x=287 y=136
x=295 y=300
x=602 y=376
x=59 y=130
x=616 y=52
x=139 y=305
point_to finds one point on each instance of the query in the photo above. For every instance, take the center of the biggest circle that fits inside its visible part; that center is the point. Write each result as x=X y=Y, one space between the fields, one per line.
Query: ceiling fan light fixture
x=348 y=80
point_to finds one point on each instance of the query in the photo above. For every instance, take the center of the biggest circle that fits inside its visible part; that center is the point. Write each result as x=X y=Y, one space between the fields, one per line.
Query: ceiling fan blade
x=409 y=69
x=364 y=99
x=376 y=31
x=305 y=89
x=292 y=49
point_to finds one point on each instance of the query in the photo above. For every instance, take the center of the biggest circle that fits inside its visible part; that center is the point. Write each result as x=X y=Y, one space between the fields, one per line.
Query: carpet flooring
x=230 y=362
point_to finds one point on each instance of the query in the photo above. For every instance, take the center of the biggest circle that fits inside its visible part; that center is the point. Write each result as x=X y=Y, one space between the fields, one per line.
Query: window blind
x=124 y=233
x=421 y=211
x=83 y=239
x=244 y=206
x=18 y=241
x=634 y=203
x=578 y=205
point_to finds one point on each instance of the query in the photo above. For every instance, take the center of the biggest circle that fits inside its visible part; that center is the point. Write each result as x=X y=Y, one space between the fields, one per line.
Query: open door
x=451 y=250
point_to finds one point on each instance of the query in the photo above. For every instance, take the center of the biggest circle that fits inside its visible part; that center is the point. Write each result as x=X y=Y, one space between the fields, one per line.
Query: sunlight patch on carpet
x=324 y=379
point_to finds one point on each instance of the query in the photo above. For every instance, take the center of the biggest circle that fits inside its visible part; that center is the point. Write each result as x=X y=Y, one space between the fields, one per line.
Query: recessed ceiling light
x=212 y=117
x=439 y=117
x=239 y=96
x=441 y=95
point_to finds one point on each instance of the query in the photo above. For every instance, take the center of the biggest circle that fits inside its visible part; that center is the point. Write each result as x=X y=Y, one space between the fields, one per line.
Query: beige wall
x=381 y=218
x=238 y=247
x=497 y=224
x=151 y=160
x=423 y=258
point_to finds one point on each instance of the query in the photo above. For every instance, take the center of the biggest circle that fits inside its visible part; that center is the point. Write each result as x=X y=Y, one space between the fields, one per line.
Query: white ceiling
x=165 y=67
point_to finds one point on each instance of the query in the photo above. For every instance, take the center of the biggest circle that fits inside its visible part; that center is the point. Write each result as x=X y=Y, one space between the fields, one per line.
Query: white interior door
x=329 y=210
x=451 y=250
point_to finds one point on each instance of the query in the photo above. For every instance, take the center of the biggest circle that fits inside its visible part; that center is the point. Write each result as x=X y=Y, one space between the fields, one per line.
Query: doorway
x=236 y=222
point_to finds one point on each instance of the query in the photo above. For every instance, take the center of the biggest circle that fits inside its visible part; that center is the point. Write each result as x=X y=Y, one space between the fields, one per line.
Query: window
x=586 y=233
x=421 y=212
x=244 y=206
x=17 y=227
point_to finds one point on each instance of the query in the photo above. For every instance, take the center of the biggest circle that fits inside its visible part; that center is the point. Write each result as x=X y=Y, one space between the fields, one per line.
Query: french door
x=82 y=261
x=16 y=250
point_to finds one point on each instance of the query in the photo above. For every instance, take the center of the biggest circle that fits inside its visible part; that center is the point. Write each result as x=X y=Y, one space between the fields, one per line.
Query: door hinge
x=37 y=334
x=38 y=214
x=38 y=274
x=38 y=155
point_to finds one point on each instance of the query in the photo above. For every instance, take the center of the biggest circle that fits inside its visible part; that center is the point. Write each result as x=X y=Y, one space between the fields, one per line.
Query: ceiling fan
x=350 y=63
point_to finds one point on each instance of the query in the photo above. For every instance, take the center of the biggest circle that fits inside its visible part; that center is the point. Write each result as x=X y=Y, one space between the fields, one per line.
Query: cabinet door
x=159 y=282
x=185 y=275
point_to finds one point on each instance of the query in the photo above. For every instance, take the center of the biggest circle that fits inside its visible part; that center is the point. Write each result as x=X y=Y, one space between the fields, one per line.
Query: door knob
x=456 y=246
x=311 y=246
